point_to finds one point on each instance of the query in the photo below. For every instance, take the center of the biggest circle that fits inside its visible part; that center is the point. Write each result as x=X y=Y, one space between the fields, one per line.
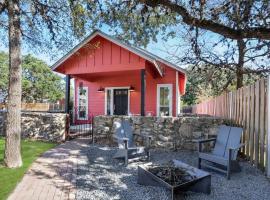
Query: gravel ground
x=102 y=177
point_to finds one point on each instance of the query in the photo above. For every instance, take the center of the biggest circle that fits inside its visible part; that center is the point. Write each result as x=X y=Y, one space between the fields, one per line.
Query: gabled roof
x=140 y=52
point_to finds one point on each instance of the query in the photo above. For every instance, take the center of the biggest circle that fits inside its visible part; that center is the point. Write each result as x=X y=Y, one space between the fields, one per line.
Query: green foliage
x=207 y=81
x=39 y=82
x=3 y=74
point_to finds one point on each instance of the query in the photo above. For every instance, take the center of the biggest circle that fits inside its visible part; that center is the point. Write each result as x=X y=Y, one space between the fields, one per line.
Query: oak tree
x=242 y=25
x=39 y=25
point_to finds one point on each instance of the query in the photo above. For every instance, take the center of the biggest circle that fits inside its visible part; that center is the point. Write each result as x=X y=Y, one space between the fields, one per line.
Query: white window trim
x=178 y=96
x=74 y=100
x=87 y=103
x=112 y=97
x=170 y=94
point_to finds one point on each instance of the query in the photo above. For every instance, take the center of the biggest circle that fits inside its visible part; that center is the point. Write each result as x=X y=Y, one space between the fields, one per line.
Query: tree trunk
x=239 y=69
x=13 y=126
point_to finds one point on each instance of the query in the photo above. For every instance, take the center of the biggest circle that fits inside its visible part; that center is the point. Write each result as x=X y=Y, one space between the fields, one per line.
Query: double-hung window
x=164 y=100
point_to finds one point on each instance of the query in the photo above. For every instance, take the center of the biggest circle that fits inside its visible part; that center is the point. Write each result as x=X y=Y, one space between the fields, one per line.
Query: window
x=164 y=99
x=82 y=102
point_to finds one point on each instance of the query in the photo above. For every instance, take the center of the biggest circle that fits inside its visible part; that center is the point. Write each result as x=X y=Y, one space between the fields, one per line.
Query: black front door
x=120 y=99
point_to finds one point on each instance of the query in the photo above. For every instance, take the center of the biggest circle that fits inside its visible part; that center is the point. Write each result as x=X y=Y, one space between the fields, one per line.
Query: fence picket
x=248 y=122
x=251 y=127
x=257 y=119
x=268 y=128
x=262 y=120
x=244 y=117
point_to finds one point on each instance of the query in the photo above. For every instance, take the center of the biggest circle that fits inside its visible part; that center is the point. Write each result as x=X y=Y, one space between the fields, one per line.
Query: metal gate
x=80 y=126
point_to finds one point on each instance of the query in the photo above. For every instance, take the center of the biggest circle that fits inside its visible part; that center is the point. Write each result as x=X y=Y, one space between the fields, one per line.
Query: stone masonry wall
x=167 y=132
x=40 y=126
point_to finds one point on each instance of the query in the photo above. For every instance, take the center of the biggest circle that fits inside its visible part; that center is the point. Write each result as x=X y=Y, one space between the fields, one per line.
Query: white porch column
x=178 y=96
x=268 y=127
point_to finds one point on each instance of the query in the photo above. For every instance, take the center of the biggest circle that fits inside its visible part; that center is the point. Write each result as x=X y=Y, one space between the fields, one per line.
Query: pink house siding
x=151 y=90
x=112 y=64
x=107 y=57
x=96 y=105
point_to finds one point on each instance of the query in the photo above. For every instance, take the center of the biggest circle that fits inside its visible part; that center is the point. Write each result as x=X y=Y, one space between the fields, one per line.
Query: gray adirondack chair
x=126 y=146
x=223 y=157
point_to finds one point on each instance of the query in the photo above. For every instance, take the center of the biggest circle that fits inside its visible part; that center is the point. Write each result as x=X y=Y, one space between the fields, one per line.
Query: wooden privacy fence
x=246 y=107
x=44 y=107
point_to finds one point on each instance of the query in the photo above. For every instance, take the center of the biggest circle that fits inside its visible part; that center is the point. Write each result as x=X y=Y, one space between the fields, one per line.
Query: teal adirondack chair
x=223 y=157
x=126 y=146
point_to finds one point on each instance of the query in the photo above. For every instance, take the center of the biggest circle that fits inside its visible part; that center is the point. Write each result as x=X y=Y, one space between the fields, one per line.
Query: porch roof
x=155 y=60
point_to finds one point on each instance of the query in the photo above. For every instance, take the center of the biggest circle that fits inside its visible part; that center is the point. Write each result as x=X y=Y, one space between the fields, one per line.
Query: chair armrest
x=238 y=147
x=205 y=140
x=148 y=139
x=120 y=138
x=125 y=140
x=144 y=136
x=202 y=141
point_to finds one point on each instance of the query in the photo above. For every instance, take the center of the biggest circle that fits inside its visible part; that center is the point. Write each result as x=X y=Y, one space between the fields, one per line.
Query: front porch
x=109 y=93
x=128 y=92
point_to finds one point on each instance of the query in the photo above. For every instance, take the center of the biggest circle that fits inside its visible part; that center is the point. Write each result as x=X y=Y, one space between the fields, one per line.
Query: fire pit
x=175 y=176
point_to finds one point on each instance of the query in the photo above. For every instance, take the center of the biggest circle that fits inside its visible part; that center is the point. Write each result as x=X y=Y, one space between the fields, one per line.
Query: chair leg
x=229 y=172
x=199 y=163
x=126 y=152
x=126 y=158
x=148 y=155
x=199 y=159
x=229 y=165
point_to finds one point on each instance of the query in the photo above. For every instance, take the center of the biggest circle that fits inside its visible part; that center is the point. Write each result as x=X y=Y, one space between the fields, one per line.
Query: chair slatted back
x=221 y=141
x=124 y=130
x=233 y=141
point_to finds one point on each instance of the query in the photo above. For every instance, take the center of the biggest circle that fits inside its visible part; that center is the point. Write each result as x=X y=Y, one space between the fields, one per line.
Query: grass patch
x=10 y=177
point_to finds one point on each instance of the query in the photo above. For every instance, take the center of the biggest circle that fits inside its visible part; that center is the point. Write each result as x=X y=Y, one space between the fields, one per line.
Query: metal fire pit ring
x=202 y=182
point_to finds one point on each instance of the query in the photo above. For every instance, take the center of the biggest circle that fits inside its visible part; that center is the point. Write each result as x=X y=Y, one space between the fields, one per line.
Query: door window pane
x=82 y=103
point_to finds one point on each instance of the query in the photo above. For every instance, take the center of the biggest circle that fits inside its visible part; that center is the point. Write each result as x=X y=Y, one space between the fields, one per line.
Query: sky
x=158 y=49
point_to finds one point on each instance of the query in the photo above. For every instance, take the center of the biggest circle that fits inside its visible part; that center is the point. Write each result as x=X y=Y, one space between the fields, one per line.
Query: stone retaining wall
x=40 y=126
x=167 y=132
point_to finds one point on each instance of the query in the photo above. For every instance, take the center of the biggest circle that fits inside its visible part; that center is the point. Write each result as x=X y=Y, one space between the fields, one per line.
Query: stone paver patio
x=53 y=175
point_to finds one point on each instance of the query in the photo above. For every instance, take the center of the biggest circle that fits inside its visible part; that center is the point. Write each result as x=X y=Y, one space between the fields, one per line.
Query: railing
x=246 y=107
x=80 y=127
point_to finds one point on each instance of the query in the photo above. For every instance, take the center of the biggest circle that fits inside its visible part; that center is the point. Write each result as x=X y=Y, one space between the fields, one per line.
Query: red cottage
x=113 y=78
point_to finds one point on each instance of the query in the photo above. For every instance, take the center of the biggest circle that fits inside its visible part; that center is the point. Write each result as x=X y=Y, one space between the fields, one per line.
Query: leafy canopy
x=39 y=83
x=206 y=81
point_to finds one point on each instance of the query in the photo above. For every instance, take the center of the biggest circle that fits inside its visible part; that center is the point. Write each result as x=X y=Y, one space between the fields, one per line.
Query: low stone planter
x=167 y=132
x=40 y=126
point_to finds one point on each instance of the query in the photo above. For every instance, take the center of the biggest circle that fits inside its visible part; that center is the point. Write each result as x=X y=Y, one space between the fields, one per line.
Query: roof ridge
x=142 y=52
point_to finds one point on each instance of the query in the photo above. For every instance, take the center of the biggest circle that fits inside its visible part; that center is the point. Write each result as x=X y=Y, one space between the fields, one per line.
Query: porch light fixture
x=131 y=89
x=101 y=89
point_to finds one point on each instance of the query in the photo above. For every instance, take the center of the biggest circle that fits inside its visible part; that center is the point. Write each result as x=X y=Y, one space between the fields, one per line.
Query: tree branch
x=3 y=5
x=256 y=71
x=226 y=31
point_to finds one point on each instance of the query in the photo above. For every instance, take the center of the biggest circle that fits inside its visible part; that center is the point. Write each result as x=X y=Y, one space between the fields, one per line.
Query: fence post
x=268 y=127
